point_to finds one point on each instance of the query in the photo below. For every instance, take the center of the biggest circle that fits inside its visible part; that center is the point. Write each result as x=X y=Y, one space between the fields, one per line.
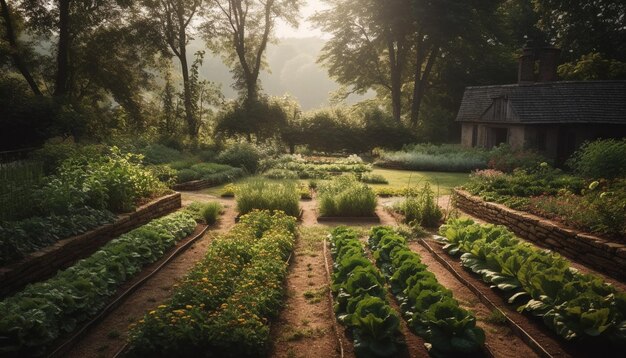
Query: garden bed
x=45 y=263
x=127 y=289
x=597 y=253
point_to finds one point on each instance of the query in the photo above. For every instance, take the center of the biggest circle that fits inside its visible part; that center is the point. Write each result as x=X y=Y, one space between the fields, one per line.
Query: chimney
x=548 y=62
x=526 y=69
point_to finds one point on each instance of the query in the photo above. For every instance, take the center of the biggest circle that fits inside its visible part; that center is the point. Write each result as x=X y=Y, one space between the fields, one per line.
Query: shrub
x=280 y=174
x=345 y=196
x=266 y=195
x=244 y=155
x=600 y=159
x=506 y=159
x=186 y=175
x=160 y=154
x=373 y=178
x=211 y=212
x=421 y=208
x=228 y=190
x=448 y=158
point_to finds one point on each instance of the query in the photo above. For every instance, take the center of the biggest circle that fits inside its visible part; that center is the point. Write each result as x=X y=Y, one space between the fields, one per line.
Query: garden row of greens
x=83 y=193
x=575 y=306
x=299 y=167
x=223 y=305
x=429 y=308
x=33 y=318
x=361 y=298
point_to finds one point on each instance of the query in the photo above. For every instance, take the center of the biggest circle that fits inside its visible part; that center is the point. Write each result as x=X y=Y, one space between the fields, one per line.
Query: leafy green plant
x=429 y=308
x=360 y=297
x=268 y=195
x=420 y=208
x=600 y=159
x=280 y=174
x=33 y=318
x=242 y=155
x=207 y=212
x=576 y=306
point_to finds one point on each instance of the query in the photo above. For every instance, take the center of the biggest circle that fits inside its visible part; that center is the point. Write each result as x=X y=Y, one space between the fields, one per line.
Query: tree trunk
x=61 y=87
x=15 y=52
x=192 y=128
x=421 y=81
x=395 y=67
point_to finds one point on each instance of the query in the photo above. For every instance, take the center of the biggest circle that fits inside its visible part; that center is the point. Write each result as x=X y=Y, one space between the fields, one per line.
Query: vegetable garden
x=388 y=291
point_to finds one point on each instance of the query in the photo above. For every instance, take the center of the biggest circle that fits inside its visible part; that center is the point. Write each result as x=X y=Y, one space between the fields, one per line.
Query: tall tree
x=15 y=50
x=369 y=46
x=239 y=30
x=174 y=20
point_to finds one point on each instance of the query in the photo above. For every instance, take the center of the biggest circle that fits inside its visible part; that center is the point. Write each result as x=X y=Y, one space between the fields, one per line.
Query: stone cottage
x=538 y=112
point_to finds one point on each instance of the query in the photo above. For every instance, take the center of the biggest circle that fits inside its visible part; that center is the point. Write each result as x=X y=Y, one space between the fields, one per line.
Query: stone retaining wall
x=43 y=264
x=592 y=251
x=195 y=185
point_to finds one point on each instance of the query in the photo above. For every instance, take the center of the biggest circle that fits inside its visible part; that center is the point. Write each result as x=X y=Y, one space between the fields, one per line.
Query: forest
x=106 y=70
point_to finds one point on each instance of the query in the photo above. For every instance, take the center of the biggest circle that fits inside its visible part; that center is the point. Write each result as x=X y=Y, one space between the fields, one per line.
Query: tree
x=173 y=18
x=593 y=66
x=369 y=46
x=239 y=30
x=14 y=48
x=582 y=27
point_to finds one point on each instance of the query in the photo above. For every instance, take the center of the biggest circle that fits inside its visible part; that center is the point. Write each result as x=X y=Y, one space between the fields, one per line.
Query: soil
x=109 y=336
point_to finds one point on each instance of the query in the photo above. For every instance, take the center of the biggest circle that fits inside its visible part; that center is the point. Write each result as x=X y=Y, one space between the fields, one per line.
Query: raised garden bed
x=43 y=264
x=595 y=252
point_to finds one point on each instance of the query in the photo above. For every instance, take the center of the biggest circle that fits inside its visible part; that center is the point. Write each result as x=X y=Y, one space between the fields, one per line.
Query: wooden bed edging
x=43 y=264
x=592 y=251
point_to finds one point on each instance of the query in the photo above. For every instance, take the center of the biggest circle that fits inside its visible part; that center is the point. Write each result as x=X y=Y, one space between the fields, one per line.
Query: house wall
x=466 y=134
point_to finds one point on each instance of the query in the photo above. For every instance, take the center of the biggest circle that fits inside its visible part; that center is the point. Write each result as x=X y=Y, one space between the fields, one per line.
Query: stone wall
x=43 y=264
x=592 y=251
x=195 y=185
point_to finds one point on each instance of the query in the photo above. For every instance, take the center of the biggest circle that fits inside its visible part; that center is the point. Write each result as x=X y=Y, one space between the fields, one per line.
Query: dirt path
x=110 y=335
x=305 y=325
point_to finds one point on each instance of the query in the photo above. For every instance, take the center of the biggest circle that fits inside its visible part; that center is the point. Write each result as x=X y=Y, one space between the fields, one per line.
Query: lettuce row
x=223 y=306
x=33 y=318
x=361 y=299
x=572 y=304
x=429 y=308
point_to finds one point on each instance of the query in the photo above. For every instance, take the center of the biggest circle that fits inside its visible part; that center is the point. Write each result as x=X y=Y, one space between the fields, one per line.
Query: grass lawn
x=397 y=179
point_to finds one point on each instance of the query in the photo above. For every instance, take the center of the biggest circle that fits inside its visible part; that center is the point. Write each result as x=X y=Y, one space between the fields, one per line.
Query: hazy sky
x=305 y=29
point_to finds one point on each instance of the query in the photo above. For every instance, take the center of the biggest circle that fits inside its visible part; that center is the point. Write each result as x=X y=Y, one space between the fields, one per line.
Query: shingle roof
x=551 y=102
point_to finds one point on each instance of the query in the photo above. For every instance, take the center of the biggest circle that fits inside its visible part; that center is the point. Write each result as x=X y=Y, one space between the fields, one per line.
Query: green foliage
x=18 y=179
x=281 y=174
x=268 y=195
x=207 y=212
x=575 y=306
x=241 y=154
x=223 y=304
x=600 y=159
x=373 y=178
x=593 y=66
x=360 y=297
x=345 y=196
x=19 y=238
x=506 y=159
x=429 y=308
x=33 y=318
x=187 y=175
x=430 y=157
x=420 y=208
x=160 y=154
x=266 y=118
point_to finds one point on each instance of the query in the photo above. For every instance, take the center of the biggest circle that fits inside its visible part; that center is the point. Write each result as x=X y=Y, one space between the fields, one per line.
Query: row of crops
x=577 y=307
x=361 y=297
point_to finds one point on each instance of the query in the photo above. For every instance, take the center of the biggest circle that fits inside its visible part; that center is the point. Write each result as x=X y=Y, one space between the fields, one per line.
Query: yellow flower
x=188 y=307
x=162 y=306
x=152 y=312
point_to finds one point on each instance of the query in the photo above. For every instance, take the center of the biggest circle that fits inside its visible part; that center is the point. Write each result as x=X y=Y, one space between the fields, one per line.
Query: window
x=542 y=139
x=498 y=136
